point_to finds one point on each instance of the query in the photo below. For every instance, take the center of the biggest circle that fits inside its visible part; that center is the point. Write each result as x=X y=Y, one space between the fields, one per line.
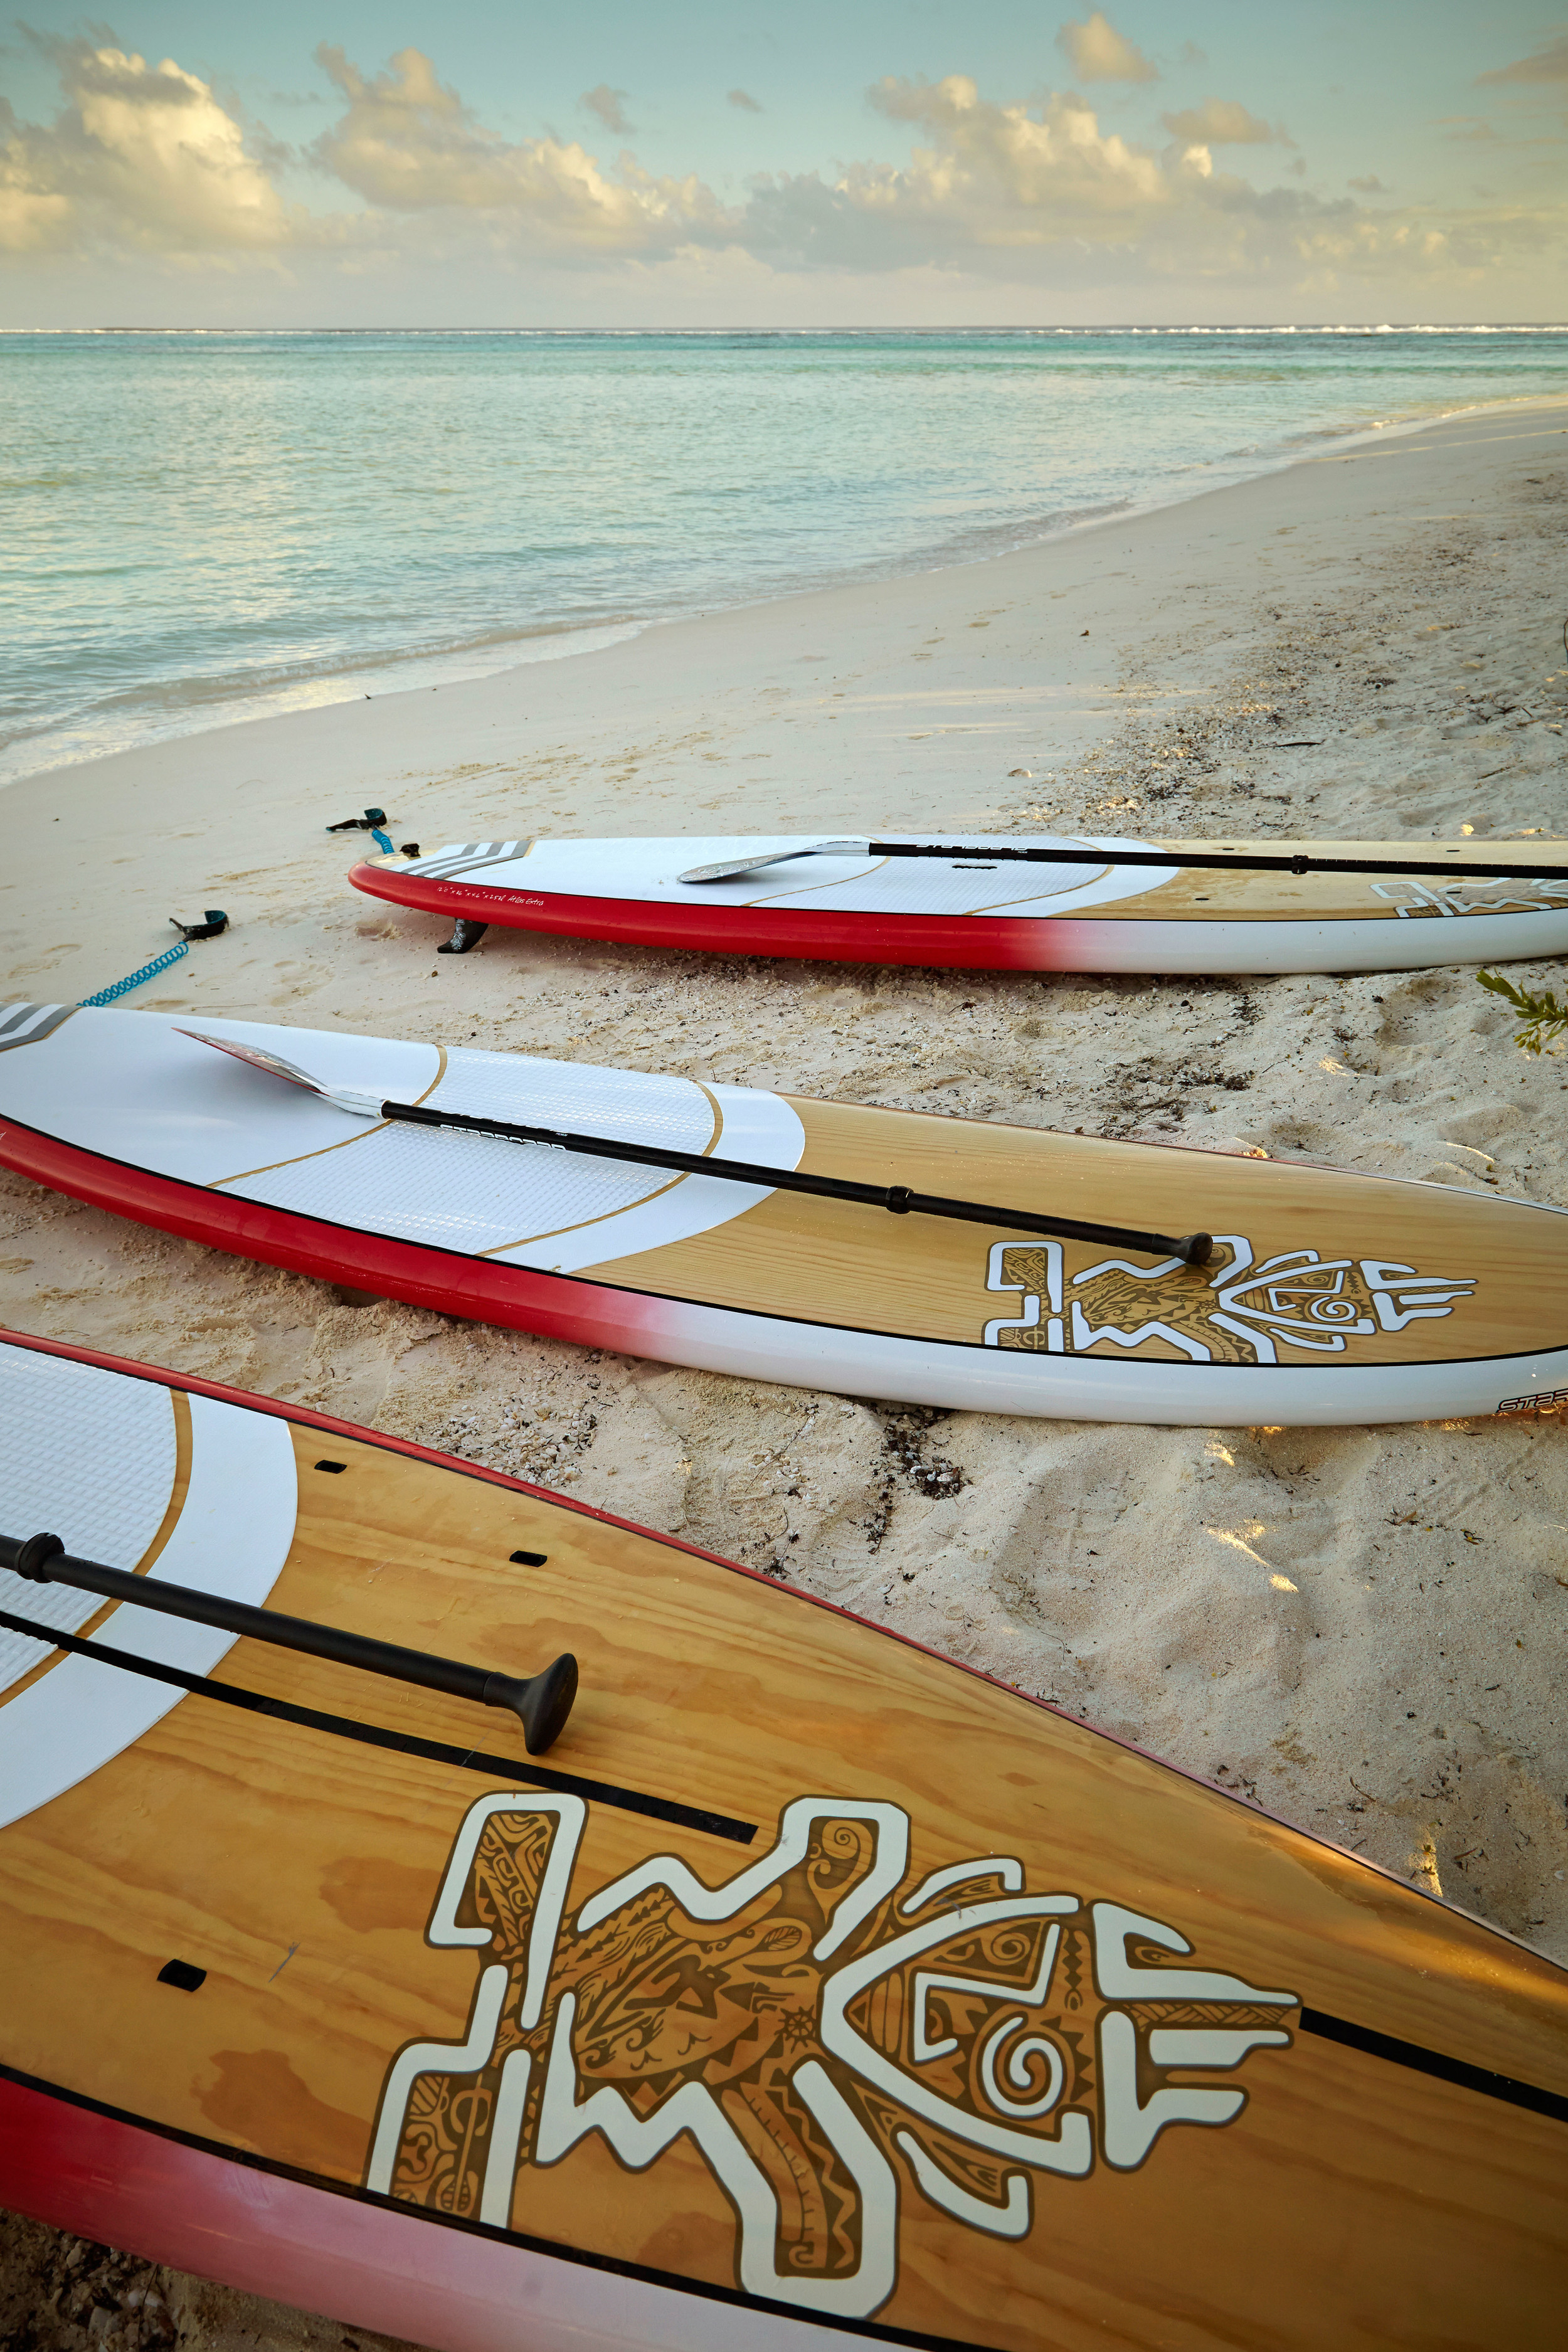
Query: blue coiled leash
x=215 y=921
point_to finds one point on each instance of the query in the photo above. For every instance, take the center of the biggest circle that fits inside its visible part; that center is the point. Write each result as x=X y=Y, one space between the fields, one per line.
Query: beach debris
x=1544 y=1019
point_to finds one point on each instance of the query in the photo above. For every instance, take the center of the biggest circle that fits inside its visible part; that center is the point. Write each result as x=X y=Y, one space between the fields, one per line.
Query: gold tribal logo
x=846 y=2049
x=1244 y=1312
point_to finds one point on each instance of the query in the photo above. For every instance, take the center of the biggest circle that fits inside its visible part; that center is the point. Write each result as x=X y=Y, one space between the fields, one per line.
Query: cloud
x=1221 y=122
x=1031 y=196
x=1550 y=64
x=743 y=99
x=1039 y=193
x=1045 y=170
x=140 y=154
x=408 y=143
x=986 y=184
x=606 y=103
x=1096 y=52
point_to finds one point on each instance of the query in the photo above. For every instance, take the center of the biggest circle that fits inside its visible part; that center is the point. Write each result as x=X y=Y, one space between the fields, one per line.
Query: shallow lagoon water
x=200 y=527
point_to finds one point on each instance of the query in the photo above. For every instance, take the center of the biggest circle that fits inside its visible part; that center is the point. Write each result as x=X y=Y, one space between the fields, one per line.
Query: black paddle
x=1054 y=853
x=1192 y=1249
x=541 y=1703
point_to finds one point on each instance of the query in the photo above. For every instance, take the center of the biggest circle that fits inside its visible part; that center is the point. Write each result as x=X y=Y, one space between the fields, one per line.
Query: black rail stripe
x=523 y=1771
x=1432 y=2062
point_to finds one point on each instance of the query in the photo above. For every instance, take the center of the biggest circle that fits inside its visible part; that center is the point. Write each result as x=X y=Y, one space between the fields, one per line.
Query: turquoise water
x=203 y=527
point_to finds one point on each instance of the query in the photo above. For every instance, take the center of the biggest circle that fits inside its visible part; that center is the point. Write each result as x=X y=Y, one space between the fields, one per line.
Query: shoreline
x=414 y=670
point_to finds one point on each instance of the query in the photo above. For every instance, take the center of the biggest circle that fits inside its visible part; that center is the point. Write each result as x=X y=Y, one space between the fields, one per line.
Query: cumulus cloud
x=608 y=105
x=743 y=99
x=1021 y=193
x=1040 y=192
x=408 y=143
x=984 y=178
x=1096 y=52
x=1550 y=64
x=1221 y=122
x=140 y=154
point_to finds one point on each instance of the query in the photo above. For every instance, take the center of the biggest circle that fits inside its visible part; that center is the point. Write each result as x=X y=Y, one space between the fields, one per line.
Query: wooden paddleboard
x=1003 y=917
x=811 y=1990
x=1330 y=1298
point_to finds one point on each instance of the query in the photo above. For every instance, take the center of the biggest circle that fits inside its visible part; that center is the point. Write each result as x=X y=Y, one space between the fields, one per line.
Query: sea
x=207 y=527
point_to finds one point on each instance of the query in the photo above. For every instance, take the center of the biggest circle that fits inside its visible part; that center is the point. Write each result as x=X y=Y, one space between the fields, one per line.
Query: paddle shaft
x=1213 y=860
x=1193 y=1249
x=536 y=1702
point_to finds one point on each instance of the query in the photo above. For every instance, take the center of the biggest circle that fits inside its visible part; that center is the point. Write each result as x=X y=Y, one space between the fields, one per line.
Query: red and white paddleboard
x=811 y=1992
x=1326 y=1296
x=965 y=908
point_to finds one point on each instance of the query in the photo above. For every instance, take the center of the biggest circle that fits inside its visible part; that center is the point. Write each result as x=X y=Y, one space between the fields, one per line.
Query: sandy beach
x=1359 y=1629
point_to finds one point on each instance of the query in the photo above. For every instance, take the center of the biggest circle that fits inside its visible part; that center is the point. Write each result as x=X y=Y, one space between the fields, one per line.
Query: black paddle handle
x=1192 y=1249
x=541 y=1704
x=1055 y=854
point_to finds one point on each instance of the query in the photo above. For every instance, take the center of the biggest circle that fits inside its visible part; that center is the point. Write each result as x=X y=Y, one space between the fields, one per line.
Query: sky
x=833 y=163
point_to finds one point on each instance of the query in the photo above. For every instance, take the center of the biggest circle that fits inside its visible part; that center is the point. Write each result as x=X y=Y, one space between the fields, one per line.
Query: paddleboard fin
x=465 y=935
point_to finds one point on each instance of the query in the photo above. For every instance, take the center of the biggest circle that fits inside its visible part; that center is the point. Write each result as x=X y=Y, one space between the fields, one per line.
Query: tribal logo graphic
x=1539 y=896
x=1242 y=1313
x=837 y=2044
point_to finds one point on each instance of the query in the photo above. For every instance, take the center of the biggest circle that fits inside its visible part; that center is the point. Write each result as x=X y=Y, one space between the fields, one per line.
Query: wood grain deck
x=1350 y=2199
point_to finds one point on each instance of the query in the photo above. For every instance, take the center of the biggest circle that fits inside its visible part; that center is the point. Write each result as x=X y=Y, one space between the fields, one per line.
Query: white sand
x=1400 y=1690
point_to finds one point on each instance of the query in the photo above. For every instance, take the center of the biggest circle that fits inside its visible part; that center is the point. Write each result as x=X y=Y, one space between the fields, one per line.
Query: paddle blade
x=729 y=868
x=345 y=1098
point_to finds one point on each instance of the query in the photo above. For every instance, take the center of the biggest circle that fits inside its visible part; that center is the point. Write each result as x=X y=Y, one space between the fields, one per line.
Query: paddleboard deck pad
x=1330 y=1297
x=814 y=1992
x=963 y=911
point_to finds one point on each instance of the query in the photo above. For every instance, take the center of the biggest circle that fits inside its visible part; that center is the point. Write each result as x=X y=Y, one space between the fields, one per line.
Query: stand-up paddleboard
x=813 y=1991
x=975 y=908
x=1324 y=1297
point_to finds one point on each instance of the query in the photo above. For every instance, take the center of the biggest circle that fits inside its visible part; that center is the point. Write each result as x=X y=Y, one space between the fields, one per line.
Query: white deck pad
x=89 y=1455
x=650 y=871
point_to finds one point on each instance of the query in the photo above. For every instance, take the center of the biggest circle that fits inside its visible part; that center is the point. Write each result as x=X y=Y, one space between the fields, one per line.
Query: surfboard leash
x=215 y=921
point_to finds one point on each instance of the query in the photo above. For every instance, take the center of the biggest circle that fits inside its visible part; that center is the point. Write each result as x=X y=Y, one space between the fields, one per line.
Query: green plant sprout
x=1542 y=1019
